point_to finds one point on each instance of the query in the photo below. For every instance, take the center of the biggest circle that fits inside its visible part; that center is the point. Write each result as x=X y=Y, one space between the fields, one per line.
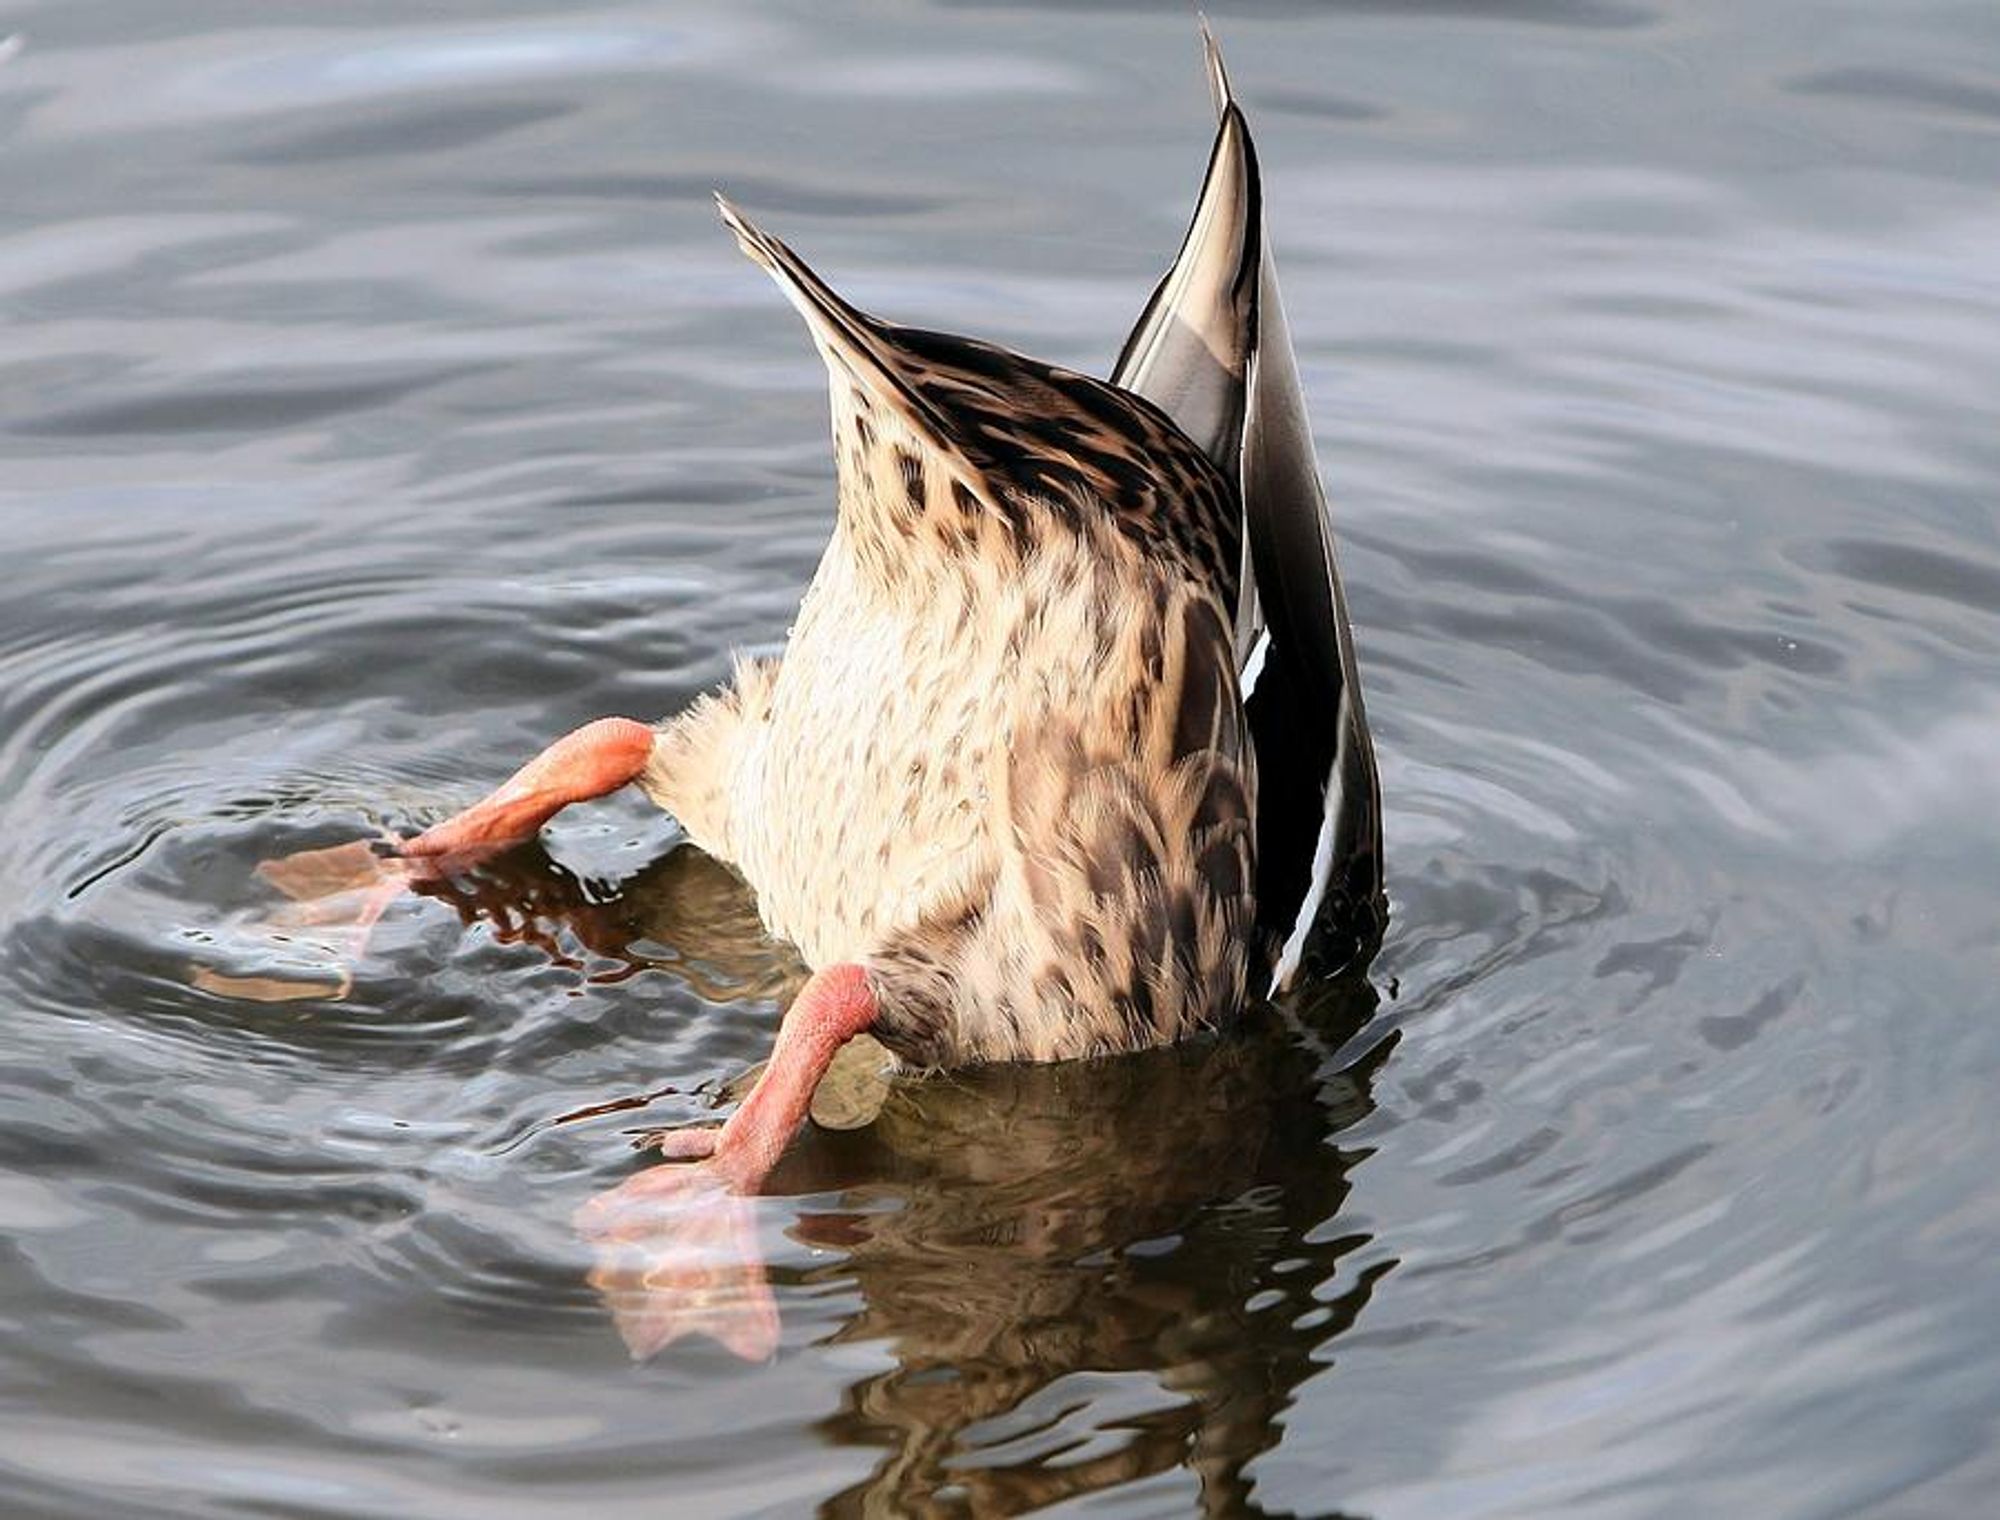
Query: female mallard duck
x=1066 y=754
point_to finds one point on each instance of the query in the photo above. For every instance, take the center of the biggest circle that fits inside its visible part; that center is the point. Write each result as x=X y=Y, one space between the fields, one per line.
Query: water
x=378 y=398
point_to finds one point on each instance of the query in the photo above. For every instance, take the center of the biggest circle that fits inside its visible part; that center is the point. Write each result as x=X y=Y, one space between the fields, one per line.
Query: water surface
x=379 y=398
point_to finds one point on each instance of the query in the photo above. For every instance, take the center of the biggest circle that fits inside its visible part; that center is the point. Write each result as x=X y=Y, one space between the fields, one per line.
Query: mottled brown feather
x=1002 y=763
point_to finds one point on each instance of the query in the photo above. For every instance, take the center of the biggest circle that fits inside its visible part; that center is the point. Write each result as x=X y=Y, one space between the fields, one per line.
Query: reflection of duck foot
x=677 y=1248
x=313 y=878
x=336 y=895
x=273 y=989
x=677 y=1255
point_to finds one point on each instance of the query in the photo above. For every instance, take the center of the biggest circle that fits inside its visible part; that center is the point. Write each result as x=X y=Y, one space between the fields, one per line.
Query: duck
x=1066 y=754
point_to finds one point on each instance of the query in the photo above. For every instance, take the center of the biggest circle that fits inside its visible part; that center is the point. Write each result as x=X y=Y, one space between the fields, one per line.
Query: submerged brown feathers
x=1002 y=762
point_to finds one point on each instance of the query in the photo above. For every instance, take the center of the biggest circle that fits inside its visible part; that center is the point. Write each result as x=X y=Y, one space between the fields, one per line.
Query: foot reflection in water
x=1170 y=1214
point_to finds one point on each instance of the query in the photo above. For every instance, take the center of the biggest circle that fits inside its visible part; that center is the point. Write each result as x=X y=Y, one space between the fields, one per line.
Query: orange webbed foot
x=677 y=1255
x=318 y=879
x=677 y=1245
x=337 y=894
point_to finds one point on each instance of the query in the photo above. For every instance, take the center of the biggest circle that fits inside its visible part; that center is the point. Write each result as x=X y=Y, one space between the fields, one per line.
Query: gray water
x=379 y=398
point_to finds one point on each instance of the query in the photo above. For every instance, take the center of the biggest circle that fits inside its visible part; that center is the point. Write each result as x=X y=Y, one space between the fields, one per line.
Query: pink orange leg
x=676 y=1245
x=598 y=758
x=342 y=890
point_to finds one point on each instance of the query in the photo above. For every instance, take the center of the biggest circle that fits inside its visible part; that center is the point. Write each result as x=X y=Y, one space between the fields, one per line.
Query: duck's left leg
x=676 y=1244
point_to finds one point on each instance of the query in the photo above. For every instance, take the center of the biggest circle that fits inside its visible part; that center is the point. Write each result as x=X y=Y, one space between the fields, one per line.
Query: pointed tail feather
x=844 y=334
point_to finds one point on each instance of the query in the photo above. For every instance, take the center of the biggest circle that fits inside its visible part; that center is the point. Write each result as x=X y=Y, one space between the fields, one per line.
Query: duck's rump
x=1003 y=762
x=1023 y=799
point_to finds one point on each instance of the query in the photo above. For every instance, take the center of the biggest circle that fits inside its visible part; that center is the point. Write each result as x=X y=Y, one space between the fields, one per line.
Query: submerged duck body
x=1066 y=754
x=1067 y=747
x=1002 y=762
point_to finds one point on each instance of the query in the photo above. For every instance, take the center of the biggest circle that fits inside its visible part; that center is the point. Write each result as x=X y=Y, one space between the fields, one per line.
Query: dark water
x=379 y=398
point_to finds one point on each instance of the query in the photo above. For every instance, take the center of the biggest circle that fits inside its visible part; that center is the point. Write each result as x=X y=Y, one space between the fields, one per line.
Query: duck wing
x=1213 y=351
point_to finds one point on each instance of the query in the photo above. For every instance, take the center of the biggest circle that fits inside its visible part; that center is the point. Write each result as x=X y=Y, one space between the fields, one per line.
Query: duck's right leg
x=339 y=892
x=686 y=765
x=595 y=760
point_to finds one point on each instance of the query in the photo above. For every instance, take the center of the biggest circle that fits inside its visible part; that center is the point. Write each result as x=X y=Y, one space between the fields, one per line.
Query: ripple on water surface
x=382 y=400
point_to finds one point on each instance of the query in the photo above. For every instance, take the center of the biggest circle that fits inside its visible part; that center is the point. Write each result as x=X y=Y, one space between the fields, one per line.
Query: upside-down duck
x=1066 y=754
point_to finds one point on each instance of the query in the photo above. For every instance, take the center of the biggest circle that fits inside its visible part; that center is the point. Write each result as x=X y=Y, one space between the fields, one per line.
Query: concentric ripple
x=379 y=399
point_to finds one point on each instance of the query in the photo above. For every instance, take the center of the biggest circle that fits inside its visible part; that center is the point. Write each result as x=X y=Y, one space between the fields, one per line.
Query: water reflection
x=685 y=911
x=1085 y=1274
x=1089 y=1275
